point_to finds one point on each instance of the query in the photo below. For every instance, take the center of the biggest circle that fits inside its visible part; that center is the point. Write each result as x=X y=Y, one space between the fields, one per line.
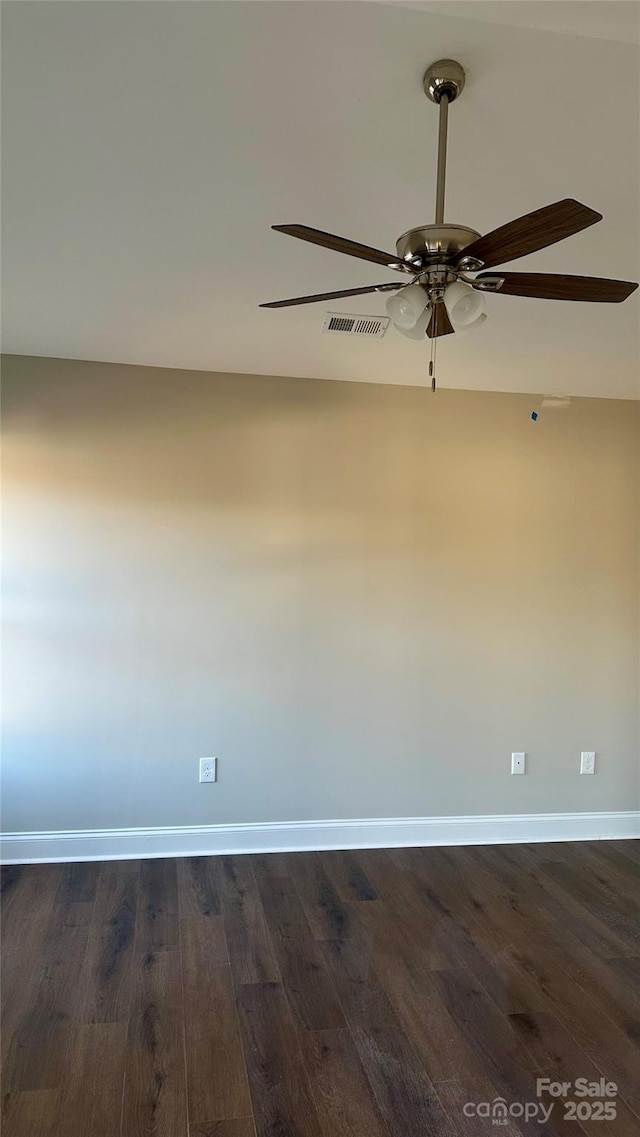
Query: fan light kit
x=444 y=294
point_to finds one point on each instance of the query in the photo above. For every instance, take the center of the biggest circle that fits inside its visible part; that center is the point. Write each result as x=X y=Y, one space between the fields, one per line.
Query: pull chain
x=432 y=361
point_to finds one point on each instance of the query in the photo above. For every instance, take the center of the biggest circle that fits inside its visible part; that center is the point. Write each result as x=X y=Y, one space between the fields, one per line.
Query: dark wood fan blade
x=439 y=324
x=532 y=232
x=330 y=295
x=342 y=245
x=550 y=287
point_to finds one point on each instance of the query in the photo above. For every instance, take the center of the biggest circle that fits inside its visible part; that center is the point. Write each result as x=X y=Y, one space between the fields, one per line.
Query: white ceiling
x=616 y=20
x=148 y=148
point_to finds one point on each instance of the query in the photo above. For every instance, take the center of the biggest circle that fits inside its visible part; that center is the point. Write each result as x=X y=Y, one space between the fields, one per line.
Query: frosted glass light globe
x=464 y=305
x=419 y=329
x=407 y=306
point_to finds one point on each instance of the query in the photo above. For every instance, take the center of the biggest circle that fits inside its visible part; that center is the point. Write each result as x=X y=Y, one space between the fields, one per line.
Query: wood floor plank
x=78 y=882
x=105 y=979
x=465 y=892
x=601 y=873
x=40 y=1047
x=604 y=984
x=348 y=876
x=68 y=927
x=282 y=1101
x=157 y=908
x=206 y=934
x=198 y=885
x=401 y=917
x=559 y=946
x=629 y=969
x=630 y=849
x=405 y=1094
x=435 y=1035
x=350 y=965
x=523 y=992
x=67 y=934
x=520 y=900
x=240 y=1127
x=470 y=943
x=90 y=1098
x=28 y=1114
x=596 y=895
x=495 y=1044
x=155 y=1099
x=584 y=925
x=217 y=1088
x=10 y=876
x=308 y=985
x=27 y=900
x=36 y=1042
x=343 y=1098
x=28 y=894
x=411 y=931
x=157 y=911
x=543 y=851
x=612 y=1049
x=250 y=949
x=559 y=1057
x=267 y=865
x=466 y=918
x=326 y=914
x=601 y=857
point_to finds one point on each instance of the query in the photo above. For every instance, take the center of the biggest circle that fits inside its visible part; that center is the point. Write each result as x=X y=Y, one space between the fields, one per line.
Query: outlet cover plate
x=208 y=769
x=588 y=762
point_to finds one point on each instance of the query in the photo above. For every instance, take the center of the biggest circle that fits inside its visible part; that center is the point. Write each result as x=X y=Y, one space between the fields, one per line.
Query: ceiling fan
x=444 y=261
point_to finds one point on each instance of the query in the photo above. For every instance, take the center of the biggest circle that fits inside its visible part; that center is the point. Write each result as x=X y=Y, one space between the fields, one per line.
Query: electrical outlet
x=208 y=769
x=588 y=762
x=519 y=762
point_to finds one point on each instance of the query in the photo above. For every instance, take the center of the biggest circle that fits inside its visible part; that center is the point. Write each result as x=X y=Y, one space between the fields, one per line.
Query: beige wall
x=360 y=598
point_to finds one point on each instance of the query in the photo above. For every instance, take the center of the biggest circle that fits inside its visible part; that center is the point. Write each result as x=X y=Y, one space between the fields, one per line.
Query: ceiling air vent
x=355 y=325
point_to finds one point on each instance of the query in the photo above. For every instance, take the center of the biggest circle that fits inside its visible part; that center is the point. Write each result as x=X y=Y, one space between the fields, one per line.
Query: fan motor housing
x=435 y=243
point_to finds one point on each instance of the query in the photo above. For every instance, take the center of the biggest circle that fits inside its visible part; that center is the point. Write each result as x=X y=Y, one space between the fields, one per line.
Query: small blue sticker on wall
x=534 y=415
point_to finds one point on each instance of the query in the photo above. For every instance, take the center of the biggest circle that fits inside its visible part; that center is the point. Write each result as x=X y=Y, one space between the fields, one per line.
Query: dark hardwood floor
x=346 y=994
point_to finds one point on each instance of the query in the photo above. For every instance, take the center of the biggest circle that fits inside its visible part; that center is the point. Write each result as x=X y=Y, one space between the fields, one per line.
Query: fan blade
x=342 y=245
x=330 y=295
x=550 y=287
x=532 y=232
x=439 y=324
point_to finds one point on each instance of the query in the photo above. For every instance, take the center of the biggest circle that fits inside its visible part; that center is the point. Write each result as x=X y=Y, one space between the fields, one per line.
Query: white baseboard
x=296 y=836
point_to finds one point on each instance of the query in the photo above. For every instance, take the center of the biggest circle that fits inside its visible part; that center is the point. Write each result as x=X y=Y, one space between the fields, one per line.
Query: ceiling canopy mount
x=446 y=77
